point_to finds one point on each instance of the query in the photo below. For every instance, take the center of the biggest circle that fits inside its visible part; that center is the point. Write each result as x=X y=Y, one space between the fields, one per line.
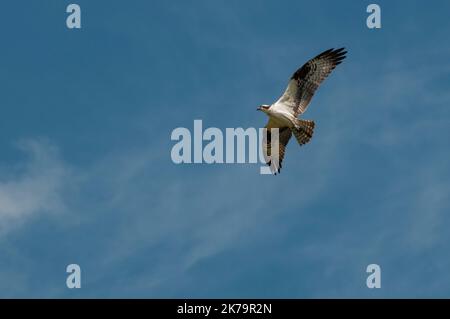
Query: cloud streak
x=32 y=187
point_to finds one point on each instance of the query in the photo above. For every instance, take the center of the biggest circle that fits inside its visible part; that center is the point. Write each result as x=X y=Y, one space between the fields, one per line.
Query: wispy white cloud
x=32 y=187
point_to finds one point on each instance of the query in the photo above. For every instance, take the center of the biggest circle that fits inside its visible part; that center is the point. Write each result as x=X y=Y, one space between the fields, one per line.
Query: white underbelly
x=283 y=119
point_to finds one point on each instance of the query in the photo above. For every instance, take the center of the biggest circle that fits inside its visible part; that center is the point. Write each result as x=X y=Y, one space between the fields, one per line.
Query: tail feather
x=303 y=131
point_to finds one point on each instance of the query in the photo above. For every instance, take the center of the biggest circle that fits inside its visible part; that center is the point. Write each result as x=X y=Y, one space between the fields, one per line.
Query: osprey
x=294 y=102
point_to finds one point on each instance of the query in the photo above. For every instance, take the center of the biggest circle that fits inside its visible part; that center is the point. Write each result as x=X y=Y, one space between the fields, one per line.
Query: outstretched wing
x=284 y=134
x=305 y=81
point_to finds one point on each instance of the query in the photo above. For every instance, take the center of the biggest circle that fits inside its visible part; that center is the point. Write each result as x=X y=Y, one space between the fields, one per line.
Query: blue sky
x=86 y=175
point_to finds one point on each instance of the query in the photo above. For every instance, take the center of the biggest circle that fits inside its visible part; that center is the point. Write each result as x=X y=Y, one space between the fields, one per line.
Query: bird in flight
x=283 y=114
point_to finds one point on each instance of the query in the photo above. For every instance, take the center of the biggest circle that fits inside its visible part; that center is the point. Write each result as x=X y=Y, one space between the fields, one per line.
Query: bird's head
x=264 y=108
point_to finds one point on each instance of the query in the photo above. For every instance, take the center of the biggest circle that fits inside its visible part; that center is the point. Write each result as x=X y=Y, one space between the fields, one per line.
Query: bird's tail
x=303 y=131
